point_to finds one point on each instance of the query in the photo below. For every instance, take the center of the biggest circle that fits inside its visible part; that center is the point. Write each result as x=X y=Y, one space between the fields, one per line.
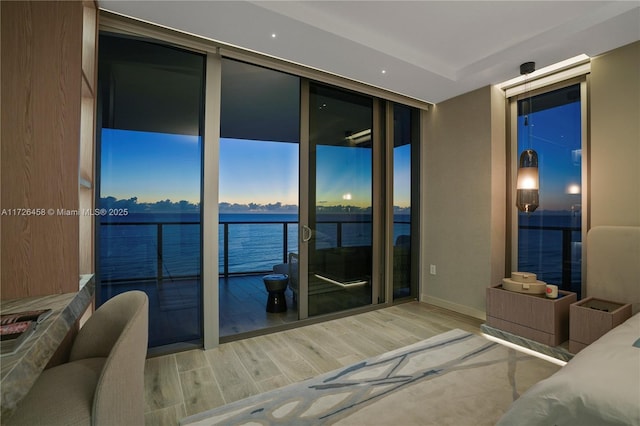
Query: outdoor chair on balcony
x=290 y=269
x=103 y=382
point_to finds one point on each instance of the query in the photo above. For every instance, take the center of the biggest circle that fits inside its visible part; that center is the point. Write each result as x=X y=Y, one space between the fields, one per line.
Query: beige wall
x=463 y=200
x=615 y=137
x=463 y=206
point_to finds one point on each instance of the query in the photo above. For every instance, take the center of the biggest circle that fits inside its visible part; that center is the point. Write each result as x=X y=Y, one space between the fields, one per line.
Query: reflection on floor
x=325 y=297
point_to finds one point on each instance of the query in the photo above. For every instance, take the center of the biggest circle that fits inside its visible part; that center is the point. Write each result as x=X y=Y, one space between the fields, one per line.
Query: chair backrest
x=293 y=270
x=117 y=330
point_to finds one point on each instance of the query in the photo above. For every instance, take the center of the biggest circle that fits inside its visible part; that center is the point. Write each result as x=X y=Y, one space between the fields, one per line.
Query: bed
x=601 y=384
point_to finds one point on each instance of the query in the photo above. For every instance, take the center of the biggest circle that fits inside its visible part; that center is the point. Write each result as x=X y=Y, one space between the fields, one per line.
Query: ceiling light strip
x=549 y=80
x=120 y=24
x=555 y=73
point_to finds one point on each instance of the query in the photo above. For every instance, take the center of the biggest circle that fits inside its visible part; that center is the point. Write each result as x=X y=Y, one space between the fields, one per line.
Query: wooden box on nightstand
x=534 y=317
x=591 y=318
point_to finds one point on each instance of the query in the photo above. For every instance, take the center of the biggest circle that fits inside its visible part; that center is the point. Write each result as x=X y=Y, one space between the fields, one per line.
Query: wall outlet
x=432 y=269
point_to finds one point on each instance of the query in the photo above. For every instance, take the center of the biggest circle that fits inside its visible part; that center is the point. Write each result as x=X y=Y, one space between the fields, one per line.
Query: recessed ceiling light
x=273 y=35
x=384 y=71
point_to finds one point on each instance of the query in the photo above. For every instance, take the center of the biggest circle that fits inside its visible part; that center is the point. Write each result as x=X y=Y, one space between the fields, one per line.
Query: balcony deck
x=174 y=305
x=243 y=300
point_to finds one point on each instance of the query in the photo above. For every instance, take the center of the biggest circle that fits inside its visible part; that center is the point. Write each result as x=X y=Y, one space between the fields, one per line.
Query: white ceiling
x=430 y=50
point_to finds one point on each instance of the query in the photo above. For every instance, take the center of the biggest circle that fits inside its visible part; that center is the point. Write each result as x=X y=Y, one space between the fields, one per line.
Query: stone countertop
x=20 y=370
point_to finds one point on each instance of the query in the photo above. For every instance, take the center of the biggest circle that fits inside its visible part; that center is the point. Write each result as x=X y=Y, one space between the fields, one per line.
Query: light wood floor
x=186 y=383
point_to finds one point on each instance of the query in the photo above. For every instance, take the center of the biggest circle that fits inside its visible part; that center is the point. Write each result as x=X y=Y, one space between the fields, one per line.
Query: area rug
x=455 y=378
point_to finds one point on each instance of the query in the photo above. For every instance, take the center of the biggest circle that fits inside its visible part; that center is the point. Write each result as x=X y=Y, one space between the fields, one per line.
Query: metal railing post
x=285 y=241
x=566 y=259
x=226 y=250
x=159 y=273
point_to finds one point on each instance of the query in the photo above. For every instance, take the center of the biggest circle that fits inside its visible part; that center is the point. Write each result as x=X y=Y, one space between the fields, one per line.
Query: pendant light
x=528 y=181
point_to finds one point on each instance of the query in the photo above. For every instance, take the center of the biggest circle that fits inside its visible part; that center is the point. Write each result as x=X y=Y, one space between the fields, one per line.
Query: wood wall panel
x=41 y=92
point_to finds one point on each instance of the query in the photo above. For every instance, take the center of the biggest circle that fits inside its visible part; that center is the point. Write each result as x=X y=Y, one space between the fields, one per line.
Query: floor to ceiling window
x=549 y=240
x=150 y=105
x=258 y=191
x=314 y=181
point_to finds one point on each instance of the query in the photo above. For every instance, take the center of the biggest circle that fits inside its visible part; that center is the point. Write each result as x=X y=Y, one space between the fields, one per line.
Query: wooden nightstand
x=531 y=316
x=590 y=318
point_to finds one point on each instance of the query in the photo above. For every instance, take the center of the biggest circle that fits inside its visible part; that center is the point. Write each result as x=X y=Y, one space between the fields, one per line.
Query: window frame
x=214 y=52
x=511 y=252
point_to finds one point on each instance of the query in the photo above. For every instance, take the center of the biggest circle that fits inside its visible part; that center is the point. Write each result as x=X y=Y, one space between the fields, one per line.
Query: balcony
x=163 y=259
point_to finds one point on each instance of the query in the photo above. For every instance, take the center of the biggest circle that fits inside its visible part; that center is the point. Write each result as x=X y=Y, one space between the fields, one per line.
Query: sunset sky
x=158 y=166
x=556 y=137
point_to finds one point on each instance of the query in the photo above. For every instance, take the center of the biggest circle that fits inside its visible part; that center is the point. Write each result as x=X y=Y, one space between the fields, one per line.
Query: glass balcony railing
x=136 y=251
x=142 y=251
x=552 y=252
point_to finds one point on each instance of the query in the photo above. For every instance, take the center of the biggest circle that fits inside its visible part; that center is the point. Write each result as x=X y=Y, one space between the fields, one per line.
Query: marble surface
x=21 y=369
x=558 y=352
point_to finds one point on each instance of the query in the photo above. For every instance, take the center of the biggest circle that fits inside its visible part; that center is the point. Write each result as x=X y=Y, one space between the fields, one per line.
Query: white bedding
x=599 y=386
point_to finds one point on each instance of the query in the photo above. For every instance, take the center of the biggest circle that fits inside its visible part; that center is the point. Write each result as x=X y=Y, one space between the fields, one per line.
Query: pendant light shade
x=528 y=182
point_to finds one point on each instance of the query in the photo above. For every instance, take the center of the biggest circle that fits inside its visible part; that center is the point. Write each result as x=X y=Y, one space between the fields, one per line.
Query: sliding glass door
x=258 y=194
x=314 y=181
x=340 y=200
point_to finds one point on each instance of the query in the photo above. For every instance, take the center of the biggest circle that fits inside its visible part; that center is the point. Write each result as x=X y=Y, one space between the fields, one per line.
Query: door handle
x=306 y=231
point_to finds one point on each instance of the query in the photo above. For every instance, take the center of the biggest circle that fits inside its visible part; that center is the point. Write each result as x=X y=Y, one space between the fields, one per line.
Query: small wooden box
x=591 y=318
x=531 y=316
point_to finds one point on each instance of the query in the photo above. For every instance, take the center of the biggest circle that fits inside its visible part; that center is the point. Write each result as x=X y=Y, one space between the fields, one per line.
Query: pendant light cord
x=527 y=111
x=526 y=69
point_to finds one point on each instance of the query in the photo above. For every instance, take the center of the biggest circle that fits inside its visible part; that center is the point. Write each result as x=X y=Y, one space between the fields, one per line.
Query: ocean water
x=129 y=246
x=541 y=250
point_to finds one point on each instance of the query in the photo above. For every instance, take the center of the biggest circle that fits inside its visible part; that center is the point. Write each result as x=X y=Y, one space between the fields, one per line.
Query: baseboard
x=462 y=309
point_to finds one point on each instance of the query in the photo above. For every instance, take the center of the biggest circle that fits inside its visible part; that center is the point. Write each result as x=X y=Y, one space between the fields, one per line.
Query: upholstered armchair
x=103 y=382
